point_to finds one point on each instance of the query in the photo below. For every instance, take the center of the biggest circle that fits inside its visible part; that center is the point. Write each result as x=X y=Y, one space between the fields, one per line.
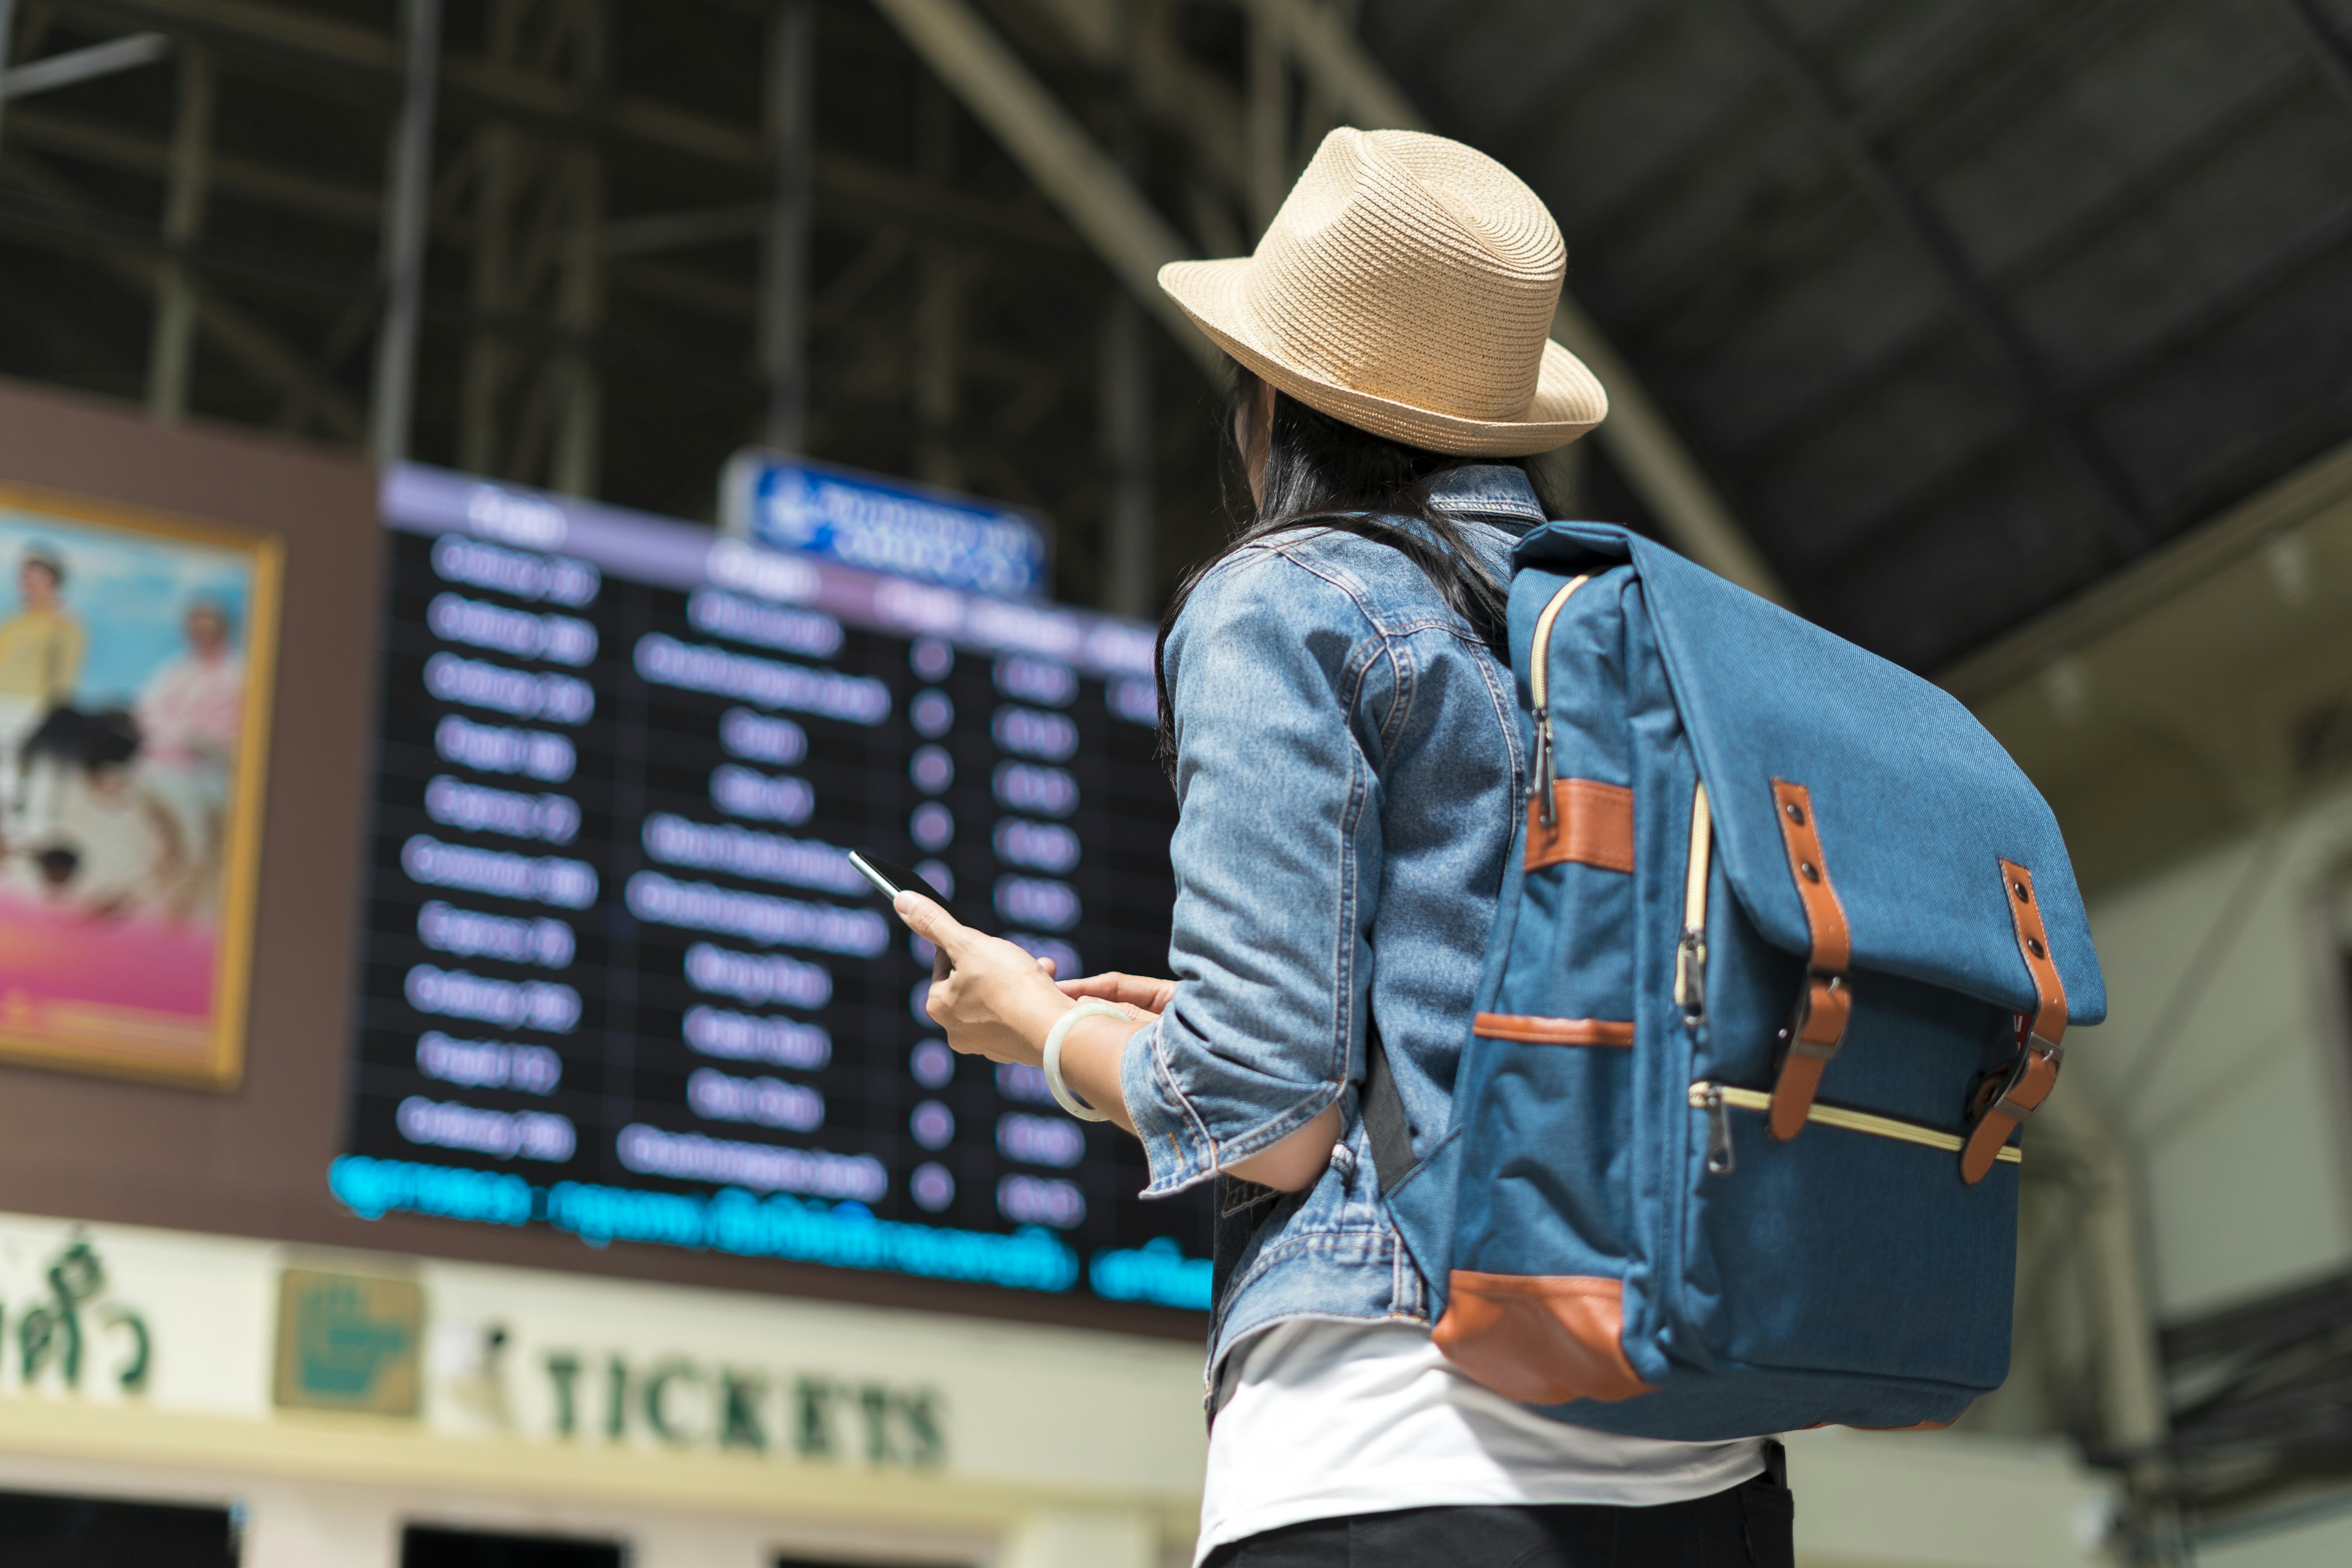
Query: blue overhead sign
x=883 y=525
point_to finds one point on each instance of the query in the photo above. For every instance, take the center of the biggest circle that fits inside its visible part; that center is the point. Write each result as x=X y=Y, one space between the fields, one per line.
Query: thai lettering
x=62 y=1334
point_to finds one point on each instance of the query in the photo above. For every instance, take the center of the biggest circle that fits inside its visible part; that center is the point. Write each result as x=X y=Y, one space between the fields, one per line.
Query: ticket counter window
x=40 y=1532
x=425 y=1547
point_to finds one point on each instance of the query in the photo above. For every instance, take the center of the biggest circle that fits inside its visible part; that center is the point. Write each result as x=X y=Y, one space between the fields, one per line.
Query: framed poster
x=136 y=654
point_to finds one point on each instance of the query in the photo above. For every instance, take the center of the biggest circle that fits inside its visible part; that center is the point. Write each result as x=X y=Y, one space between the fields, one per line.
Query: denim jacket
x=1349 y=773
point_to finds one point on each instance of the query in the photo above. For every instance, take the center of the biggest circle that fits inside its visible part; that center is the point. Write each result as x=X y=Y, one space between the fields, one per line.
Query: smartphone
x=890 y=879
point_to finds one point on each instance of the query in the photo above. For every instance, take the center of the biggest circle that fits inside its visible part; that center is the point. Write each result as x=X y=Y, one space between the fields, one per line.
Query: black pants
x=1748 y=1526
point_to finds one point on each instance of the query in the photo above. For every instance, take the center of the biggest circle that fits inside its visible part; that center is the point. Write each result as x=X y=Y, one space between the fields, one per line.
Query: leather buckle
x=2038 y=1052
x=1816 y=1030
x=1825 y=1006
x=2033 y=1076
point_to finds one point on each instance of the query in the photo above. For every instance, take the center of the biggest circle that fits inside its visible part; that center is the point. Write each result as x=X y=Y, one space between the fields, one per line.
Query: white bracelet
x=1054 y=1038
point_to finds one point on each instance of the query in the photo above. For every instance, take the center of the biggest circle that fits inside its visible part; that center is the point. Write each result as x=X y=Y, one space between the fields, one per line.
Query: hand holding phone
x=890 y=879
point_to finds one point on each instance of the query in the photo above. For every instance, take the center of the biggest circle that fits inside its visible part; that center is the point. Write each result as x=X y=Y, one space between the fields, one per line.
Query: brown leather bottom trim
x=1915 y=1426
x=1534 y=1031
x=1540 y=1339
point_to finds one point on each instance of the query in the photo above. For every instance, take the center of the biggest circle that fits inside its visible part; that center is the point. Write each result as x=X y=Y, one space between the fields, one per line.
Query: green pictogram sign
x=349 y=1342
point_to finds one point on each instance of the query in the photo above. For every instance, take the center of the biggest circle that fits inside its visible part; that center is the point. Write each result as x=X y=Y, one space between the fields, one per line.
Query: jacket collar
x=1491 y=493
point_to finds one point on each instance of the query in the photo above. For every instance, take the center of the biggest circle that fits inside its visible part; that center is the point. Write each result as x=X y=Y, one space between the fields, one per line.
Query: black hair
x=107 y=738
x=1324 y=473
x=47 y=558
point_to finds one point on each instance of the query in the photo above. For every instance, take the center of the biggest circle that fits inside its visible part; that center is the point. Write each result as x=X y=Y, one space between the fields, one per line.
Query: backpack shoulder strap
x=1386 y=1126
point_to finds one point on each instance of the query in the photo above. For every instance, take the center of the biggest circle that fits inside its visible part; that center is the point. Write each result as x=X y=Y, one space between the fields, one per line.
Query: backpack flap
x=1865 y=822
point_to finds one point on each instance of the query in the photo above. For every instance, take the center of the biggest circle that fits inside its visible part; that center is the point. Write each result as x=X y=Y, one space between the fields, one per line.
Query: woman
x=1341 y=729
x=190 y=714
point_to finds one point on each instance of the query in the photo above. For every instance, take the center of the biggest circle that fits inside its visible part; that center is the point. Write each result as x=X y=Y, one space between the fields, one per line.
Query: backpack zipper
x=1690 y=954
x=1719 y=1156
x=1540 y=775
x=1713 y=1097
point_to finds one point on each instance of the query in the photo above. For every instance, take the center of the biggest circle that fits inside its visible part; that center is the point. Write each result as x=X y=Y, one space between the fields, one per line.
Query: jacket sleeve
x=1277 y=682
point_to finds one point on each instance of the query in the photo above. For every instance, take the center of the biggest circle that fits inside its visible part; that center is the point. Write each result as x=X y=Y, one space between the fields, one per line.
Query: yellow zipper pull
x=1541 y=770
x=1540 y=778
x=1690 y=952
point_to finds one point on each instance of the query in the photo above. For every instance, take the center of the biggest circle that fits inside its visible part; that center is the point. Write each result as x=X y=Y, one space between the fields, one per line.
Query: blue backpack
x=1782 y=960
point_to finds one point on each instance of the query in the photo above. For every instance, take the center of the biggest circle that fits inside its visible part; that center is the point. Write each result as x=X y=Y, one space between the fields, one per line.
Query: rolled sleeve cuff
x=1176 y=1147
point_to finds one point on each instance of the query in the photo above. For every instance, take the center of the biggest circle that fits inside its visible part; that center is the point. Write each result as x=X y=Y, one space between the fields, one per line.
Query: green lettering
x=919 y=1413
x=564 y=1374
x=812 y=1397
x=741 y=1394
x=874 y=1403
x=657 y=1415
x=42 y=1333
x=616 y=1398
x=133 y=1376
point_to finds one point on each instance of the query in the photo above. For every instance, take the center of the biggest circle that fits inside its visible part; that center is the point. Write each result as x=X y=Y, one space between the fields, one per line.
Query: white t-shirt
x=1324 y=1419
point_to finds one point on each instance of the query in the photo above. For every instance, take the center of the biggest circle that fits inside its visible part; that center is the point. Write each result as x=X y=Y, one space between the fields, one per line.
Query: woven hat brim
x=1568 y=399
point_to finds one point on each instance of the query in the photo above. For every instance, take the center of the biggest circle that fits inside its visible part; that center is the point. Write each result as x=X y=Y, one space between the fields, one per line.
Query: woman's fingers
x=930 y=922
x=1141 y=991
x=997 y=1001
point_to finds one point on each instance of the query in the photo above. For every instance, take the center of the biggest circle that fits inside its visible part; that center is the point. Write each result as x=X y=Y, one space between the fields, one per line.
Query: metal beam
x=648 y=234
x=1130 y=539
x=575 y=462
x=54 y=71
x=2228 y=301
x=2120 y=1319
x=7 y=45
x=1637 y=435
x=404 y=223
x=1640 y=440
x=1127 y=572
x=244 y=338
x=2128 y=197
x=171 y=355
x=2327 y=54
x=939 y=320
x=1344 y=70
x=1268 y=115
x=307 y=39
x=1076 y=176
x=879 y=196
x=785 y=223
x=2278 y=509
x=66 y=219
x=2131 y=521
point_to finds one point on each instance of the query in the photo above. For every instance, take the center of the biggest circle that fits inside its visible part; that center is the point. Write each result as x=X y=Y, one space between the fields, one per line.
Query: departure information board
x=619 y=977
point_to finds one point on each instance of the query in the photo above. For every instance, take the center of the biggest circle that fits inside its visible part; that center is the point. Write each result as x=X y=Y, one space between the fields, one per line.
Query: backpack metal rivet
x=1796 y=813
x=2025 y=894
x=2033 y=946
x=1813 y=872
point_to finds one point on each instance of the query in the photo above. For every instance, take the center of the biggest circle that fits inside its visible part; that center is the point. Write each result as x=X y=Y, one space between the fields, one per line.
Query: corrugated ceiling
x=1963 y=302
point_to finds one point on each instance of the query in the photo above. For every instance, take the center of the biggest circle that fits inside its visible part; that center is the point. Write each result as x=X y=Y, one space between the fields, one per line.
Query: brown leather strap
x=1591 y=824
x=1825 y=1005
x=2035 y=1073
x=1538 y=1031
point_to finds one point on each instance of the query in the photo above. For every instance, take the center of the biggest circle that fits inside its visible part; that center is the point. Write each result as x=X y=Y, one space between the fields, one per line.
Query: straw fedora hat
x=1406 y=286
